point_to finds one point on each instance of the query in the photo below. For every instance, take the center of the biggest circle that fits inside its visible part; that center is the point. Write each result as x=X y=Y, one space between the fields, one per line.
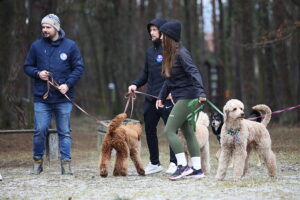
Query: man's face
x=48 y=31
x=154 y=32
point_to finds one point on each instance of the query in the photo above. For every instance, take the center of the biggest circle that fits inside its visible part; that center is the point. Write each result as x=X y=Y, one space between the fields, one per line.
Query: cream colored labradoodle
x=240 y=136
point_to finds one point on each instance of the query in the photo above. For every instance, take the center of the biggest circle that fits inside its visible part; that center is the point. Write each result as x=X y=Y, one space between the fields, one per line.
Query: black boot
x=37 y=167
x=66 y=167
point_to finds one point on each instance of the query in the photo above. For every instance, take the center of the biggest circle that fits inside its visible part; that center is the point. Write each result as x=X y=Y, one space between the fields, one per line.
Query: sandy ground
x=15 y=163
x=86 y=184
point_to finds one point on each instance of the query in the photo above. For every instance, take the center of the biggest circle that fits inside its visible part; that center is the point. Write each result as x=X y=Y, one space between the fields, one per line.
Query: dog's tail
x=267 y=111
x=203 y=119
x=116 y=122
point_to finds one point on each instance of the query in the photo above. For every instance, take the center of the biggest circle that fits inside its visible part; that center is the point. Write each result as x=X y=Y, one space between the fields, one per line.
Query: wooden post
x=52 y=148
x=101 y=130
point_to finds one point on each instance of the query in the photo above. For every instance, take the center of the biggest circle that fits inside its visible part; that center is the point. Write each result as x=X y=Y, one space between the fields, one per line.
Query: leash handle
x=130 y=97
x=192 y=116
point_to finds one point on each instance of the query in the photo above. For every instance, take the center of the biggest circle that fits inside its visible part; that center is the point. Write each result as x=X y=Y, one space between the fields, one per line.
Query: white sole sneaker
x=154 y=170
x=195 y=176
x=172 y=168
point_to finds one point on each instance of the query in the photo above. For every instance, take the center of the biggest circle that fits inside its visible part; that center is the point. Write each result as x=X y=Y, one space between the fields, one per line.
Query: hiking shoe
x=172 y=168
x=151 y=169
x=196 y=174
x=180 y=172
x=37 y=167
x=66 y=167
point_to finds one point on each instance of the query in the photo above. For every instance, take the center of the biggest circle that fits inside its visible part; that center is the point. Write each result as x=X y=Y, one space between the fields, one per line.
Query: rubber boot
x=37 y=167
x=66 y=167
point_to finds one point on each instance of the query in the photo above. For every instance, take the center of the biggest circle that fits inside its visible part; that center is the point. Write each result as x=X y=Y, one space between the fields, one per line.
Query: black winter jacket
x=152 y=70
x=185 y=81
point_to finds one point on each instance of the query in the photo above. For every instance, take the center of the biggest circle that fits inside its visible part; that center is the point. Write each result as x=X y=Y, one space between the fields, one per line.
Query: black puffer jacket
x=152 y=70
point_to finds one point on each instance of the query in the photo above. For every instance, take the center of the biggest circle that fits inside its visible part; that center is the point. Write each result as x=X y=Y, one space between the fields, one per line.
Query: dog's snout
x=242 y=114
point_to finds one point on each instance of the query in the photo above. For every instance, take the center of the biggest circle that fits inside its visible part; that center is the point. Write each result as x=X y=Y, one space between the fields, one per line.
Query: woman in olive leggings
x=184 y=82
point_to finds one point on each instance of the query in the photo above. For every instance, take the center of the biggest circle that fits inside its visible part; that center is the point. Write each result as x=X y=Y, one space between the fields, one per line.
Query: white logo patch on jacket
x=63 y=56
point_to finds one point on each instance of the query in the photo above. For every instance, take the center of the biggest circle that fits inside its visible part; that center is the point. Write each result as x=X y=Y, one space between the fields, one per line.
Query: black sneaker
x=196 y=174
x=181 y=171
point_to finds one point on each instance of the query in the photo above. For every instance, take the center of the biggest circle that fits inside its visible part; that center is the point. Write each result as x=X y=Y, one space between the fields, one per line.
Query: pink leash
x=275 y=112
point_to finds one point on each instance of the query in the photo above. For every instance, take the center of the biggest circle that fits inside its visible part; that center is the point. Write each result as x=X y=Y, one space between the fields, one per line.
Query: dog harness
x=234 y=133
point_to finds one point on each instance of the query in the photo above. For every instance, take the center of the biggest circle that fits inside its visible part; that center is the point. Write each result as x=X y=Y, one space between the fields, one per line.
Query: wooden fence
x=52 y=148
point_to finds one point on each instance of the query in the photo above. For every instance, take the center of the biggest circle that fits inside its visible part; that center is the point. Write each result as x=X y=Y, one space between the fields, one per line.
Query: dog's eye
x=234 y=109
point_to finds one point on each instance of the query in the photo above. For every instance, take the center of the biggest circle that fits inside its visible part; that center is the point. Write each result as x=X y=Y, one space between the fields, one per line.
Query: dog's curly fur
x=217 y=121
x=125 y=140
x=251 y=135
x=202 y=135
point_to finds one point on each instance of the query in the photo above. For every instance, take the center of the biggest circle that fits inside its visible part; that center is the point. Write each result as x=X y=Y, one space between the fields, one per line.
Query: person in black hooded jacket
x=154 y=80
x=184 y=82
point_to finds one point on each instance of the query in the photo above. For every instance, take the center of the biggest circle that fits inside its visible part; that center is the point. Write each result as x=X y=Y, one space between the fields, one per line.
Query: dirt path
x=86 y=184
x=15 y=163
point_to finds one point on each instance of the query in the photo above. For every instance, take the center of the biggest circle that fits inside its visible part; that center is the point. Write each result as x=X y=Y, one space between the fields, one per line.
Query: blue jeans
x=42 y=120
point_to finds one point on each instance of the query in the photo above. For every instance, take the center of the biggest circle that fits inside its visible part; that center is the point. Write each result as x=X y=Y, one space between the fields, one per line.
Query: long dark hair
x=170 y=48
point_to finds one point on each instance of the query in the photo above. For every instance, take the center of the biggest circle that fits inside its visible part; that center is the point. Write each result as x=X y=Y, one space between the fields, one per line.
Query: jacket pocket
x=39 y=88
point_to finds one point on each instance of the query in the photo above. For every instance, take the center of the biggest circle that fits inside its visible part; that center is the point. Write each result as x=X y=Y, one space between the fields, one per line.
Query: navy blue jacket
x=152 y=70
x=185 y=81
x=62 y=58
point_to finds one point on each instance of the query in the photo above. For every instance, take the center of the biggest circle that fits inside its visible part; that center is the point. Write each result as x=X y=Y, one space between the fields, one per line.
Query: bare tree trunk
x=237 y=49
x=16 y=105
x=283 y=91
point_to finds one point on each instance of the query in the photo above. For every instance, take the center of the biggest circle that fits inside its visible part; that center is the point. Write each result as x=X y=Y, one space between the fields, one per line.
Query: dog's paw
x=119 y=173
x=141 y=172
x=103 y=173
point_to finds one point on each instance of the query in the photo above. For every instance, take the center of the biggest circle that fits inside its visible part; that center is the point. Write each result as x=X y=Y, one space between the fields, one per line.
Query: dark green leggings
x=177 y=119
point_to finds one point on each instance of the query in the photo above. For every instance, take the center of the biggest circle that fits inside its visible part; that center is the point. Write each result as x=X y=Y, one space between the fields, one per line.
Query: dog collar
x=234 y=133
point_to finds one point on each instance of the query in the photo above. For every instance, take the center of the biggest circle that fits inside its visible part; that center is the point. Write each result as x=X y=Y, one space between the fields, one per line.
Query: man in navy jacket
x=57 y=57
x=152 y=76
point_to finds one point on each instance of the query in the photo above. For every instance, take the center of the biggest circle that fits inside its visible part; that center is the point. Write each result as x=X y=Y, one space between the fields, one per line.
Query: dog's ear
x=226 y=112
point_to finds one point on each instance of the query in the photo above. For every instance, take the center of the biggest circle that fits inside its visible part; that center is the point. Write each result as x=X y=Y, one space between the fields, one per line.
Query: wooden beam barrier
x=52 y=148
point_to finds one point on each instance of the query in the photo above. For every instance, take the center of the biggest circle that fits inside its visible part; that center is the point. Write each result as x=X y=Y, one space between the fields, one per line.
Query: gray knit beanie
x=53 y=20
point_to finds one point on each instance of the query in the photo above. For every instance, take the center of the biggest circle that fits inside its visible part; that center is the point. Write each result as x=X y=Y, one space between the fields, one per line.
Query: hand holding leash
x=63 y=88
x=159 y=104
x=44 y=75
x=132 y=89
x=201 y=99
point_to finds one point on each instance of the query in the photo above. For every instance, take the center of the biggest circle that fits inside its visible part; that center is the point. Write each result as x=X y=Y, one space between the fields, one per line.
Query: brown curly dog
x=240 y=136
x=125 y=140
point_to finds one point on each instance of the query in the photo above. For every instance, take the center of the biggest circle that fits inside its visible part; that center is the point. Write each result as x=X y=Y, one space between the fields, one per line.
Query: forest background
x=252 y=52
